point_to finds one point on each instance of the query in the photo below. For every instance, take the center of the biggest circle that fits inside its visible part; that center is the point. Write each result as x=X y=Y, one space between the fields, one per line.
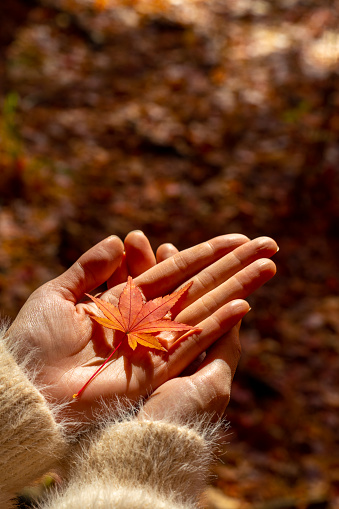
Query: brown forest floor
x=188 y=120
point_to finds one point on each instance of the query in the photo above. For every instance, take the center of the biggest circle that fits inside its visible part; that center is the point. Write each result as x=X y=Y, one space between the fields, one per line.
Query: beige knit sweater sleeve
x=30 y=440
x=128 y=464
x=138 y=465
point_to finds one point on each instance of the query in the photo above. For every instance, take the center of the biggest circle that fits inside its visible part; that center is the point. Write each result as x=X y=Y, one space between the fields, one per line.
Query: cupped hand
x=205 y=392
x=70 y=345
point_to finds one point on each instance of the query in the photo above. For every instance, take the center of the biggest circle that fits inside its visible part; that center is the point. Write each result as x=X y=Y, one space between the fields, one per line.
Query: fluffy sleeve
x=30 y=440
x=125 y=464
x=138 y=464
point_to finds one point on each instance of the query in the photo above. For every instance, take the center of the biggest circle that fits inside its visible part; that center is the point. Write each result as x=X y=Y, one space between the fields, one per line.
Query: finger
x=226 y=349
x=139 y=253
x=214 y=377
x=119 y=275
x=91 y=270
x=206 y=357
x=222 y=270
x=138 y=258
x=183 y=353
x=239 y=286
x=169 y=274
x=207 y=391
x=165 y=251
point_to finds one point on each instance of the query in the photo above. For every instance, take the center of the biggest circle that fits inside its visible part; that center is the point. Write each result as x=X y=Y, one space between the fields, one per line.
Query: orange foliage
x=139 y=320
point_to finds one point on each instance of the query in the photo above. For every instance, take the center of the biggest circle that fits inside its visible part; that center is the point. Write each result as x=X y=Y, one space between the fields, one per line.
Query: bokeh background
x=190 y=119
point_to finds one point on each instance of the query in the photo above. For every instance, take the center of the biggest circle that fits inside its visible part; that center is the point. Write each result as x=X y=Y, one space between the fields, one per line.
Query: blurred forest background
x=190 y=119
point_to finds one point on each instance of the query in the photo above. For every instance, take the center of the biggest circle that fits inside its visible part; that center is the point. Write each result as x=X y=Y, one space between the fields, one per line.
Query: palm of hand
x=68 y=344
x=71 y=346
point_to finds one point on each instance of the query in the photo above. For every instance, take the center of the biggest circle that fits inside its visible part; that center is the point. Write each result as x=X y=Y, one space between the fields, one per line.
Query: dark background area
x=189 y=120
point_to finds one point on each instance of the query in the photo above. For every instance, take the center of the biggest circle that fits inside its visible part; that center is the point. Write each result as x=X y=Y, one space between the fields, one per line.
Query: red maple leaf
x=140 y=321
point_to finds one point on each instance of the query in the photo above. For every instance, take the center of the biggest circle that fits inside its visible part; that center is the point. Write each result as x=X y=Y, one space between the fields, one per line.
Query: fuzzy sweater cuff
x=139 y=464
x=30 y=440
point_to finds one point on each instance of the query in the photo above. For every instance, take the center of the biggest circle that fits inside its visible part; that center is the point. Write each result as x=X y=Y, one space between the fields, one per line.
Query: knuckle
x=180 y=263
x=209 y=303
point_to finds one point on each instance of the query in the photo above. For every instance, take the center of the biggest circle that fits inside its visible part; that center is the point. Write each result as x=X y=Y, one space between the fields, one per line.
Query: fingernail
x=114 y=237
x=278 y=249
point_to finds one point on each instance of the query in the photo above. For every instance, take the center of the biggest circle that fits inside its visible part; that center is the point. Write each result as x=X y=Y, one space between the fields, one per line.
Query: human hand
x=205 y=392
x=139 y=257
x=70 y=345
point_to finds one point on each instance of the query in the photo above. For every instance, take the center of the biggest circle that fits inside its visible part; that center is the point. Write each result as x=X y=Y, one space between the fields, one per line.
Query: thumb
x=225 y=352
x=215 y=375
x=91 y=270
x=206 y=392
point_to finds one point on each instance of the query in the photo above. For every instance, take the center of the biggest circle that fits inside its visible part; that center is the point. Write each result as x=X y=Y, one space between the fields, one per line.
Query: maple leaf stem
x=97 y=371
